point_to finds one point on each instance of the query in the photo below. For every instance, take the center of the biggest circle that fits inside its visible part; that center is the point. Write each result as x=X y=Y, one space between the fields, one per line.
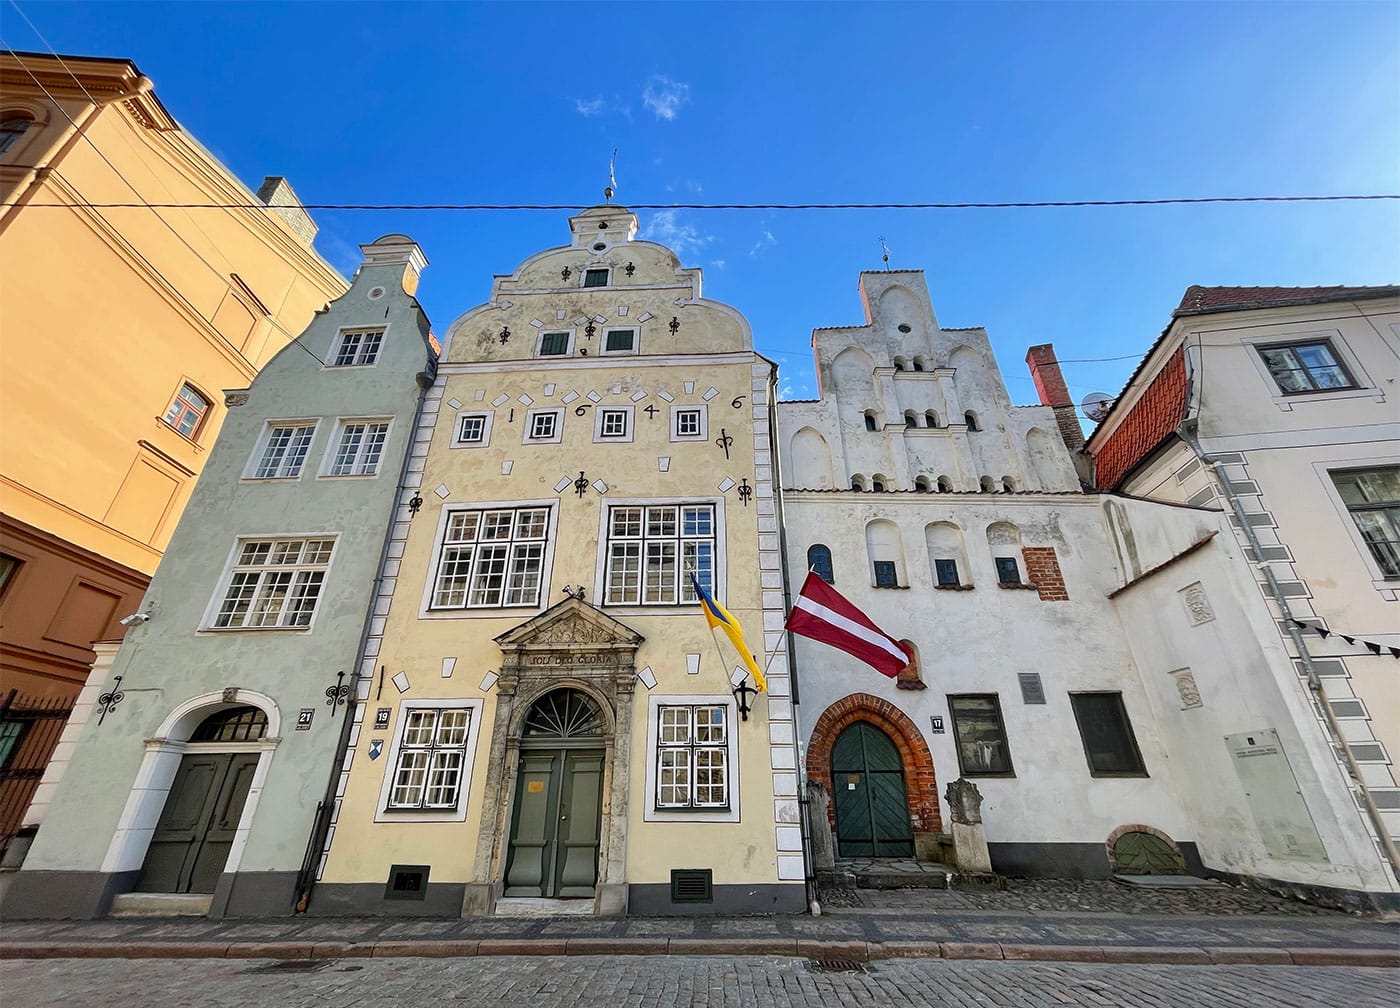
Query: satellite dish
x=1096 y=405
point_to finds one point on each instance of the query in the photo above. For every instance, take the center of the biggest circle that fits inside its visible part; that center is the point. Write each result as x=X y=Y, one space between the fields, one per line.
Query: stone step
x=140 y=904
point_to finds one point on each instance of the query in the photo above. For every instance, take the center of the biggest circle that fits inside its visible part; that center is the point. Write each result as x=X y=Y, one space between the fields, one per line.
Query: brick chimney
x=1050 y=383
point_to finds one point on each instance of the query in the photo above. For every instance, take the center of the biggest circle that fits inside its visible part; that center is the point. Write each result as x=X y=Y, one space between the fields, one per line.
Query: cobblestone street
x=680 y=982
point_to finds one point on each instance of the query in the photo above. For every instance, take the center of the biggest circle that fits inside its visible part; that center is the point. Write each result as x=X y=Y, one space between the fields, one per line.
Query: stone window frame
x=632 y=350
x=488 y=418
x=386 y=813
x=568 y=334
x=593 y=270
x=678 y=607
x=600 y=415
x=527 y=432
x=1363 y=386
x=650 y=811
x=703 y=411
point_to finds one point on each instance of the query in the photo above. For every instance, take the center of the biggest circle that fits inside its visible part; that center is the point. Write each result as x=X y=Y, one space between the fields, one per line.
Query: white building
x=1039 y=613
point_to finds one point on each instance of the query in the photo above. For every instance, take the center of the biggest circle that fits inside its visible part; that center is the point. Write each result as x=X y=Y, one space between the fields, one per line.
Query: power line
x=1003 y=205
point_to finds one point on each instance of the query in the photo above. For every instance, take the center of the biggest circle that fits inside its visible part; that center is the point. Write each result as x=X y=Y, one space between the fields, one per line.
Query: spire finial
x=886 y=250
x=611 y=187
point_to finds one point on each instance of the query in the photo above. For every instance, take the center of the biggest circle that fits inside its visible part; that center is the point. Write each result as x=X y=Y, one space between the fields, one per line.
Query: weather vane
x=611 y=187
x=886 y=250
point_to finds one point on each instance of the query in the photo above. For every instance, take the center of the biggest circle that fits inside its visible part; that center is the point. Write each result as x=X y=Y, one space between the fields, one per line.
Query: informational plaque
x=1274 y=798
x=1032 y=690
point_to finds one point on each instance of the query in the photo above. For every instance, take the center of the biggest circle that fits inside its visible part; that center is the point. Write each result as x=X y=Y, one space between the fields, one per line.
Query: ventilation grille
x=407 y=882
x=692 y=885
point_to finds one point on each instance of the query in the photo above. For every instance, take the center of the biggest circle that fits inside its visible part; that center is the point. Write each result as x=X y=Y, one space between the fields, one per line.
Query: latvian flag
x=824 y=614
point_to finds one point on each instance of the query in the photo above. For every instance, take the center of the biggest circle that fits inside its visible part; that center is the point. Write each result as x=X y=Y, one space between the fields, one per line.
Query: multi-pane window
x=620 y=341
x=1109 y=745
x=947 y=571
x=491 y=558
x=358 y=347
x=275 y=584
x=886 y=574
x=187 y=411
x=1008 y=571
x=1373 y=498
x=543 y=425
x=431 y=755
x=471 y=429
x=284 y=451
x=652 y=552
x=12 y=129
x=612 y=423
x=554 y=344
x=595 y=278
x=819 y=560
x=692 y=757
x=1305 y=367
x=360 y=448
x=688 y=423
x=980 y=734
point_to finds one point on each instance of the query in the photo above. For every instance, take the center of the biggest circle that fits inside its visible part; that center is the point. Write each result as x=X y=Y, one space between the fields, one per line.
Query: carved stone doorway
x=575 y=646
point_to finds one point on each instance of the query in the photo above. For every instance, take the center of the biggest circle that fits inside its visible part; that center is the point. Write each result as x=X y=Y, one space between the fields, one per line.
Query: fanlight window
x=236 y=724
x=564 y=714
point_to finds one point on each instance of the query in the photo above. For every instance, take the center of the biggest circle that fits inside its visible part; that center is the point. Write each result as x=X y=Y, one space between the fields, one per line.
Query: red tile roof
x=1199 y=300
x=1150 y=420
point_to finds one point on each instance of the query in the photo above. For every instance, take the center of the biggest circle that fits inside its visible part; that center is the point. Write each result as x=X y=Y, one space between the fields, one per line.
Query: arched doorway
x=554 y=833
x=871 y=803
x=201 y=816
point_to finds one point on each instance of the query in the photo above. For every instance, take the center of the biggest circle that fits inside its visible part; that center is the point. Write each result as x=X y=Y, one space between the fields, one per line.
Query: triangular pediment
x=572 y=624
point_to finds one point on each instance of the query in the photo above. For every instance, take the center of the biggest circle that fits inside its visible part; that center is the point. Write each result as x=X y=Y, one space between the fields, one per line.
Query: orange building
x=120 y=327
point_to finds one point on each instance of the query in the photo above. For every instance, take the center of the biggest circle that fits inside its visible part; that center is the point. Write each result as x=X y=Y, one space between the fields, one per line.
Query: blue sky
x=830 y=103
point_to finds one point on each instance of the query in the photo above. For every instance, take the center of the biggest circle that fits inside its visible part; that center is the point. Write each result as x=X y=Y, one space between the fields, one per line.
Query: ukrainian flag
x=718 y=616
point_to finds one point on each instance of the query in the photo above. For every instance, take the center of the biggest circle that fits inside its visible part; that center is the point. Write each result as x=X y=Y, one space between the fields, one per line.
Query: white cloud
x=590 y=106
x=665 y=96
x=667 y=229
x=719 y=264
x=765 y=240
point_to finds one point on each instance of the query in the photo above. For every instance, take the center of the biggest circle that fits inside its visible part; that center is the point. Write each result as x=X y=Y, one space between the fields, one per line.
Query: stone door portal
x=872 y=806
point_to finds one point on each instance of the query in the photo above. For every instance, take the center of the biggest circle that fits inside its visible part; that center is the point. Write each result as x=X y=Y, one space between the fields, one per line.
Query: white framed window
x=281 y=450
x=692 y=766
x=555 y=343
x=473 y=430
x=187 y=411
x=613 y=423
x=544 y=426
x=690 y=423
x=1372 y=499
x=272 y=584
x=357 y=448
x=490 y=558
x=430 y=761
x=653 y=549
x=620 y=341
x=595 y=276
x=357 y=347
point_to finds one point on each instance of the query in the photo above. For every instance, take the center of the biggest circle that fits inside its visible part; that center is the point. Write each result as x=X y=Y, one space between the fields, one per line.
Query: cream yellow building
x=544 y=714
x=120 y=327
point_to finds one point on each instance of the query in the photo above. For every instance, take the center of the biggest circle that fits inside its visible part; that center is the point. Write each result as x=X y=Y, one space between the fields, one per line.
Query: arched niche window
x=911 y=419
x=882 y=543
x=12 y=127
x=988 y=485
x=819 y=560
x=234 y=724
x=1008 y=485
x=900 y=364
x=920 y=364
x=945 y=485
x=922 y=485
x=870 y=423
x=947 y=559
x=930 y=418
x=857 y=482
x=970 y=418
x=877 y=483
x=910 y=677
x=1004 y=543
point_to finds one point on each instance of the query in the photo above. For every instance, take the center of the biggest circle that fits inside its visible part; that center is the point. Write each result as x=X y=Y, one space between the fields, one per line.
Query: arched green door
x=872 y=806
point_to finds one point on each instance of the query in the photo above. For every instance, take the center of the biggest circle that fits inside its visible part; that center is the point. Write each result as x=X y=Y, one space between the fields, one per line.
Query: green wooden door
x=872 y=807
x=555 y=829
x=192 y=839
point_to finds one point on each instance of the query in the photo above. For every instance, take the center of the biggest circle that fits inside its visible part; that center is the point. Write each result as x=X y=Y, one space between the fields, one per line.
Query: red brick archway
x=919 y=779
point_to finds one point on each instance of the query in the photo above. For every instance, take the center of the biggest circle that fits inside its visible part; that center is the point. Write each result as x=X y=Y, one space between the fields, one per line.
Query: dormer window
x=595 y=278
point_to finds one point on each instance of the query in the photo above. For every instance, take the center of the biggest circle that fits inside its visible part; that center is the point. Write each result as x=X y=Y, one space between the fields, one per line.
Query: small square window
x=687 y=423
x=1306 y=367
x=1109 y=745
x=1008 y=571
x=885 y=574
x=614 y=423
x=471 y=429
x=554 y=344
x=595 y=278
x=358 y=348
x=543 y=425
x=620 y=341
x=947 y=571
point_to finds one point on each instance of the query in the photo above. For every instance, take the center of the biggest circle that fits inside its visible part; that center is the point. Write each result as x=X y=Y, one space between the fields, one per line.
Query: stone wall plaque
x=1032 y=689
x=1275 y=801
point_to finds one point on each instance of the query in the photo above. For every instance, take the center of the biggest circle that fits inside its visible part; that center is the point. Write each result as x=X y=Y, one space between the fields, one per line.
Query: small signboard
x=304 y=717
x=1032 y=689
x=937 y=725
x=381 y=718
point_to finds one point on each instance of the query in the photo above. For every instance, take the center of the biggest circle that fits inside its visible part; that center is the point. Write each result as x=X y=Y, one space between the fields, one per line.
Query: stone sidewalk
x=1031 y=920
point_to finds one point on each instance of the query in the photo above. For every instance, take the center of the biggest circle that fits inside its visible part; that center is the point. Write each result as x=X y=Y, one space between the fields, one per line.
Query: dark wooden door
x=554 y=831
x=872 y=807
x=196 y=828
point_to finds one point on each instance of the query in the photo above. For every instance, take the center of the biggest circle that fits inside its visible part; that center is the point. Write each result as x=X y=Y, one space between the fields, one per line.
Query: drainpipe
x=804 y=824
x=1187 y=431
x=321 y=825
